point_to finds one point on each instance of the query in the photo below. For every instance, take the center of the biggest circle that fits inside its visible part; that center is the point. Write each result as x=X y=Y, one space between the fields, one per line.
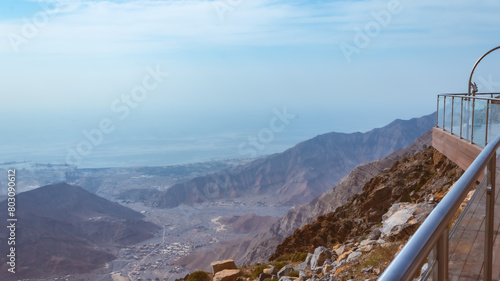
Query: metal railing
x=434 y=230
x=474 y=118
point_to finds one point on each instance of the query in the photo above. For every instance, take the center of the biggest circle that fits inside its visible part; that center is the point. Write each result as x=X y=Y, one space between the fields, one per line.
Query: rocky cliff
x=411 y=180
x=301 y=173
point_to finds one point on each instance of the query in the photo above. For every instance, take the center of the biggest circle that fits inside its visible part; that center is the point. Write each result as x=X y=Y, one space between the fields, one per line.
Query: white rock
x=353 y=256
x=402 y=215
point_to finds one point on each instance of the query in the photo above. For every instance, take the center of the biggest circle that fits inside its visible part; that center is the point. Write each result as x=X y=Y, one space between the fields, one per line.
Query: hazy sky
x=199 y=67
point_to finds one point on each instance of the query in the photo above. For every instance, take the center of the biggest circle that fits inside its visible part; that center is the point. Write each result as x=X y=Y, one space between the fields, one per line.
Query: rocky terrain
x=427 y=174
x=298 y=174
x=64 y=229
x=358 y=240
x=265 y=243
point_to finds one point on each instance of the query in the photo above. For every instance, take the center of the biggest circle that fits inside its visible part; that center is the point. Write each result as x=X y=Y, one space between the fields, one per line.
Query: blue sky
x=231 y=62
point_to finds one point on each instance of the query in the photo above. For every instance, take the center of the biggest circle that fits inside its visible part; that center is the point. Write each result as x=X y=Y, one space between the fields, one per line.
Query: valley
x=188 y=230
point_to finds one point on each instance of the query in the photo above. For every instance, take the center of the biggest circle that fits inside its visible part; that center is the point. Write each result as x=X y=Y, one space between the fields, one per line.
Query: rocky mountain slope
x=64 y=229
x=359 y=239
x=411 y=180
x=301 y=173
x=265 y=243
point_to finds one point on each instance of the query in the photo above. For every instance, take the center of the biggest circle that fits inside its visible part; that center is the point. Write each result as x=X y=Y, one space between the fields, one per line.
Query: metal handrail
x=434 y=230
x=488 y=98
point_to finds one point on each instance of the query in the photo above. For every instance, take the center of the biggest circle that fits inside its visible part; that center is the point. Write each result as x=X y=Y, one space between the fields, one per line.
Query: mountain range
x=299 y=174
x=261 y=245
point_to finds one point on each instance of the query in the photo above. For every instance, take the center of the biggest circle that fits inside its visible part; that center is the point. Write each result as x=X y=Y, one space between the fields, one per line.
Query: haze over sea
x=170 y=82
x=138 y=142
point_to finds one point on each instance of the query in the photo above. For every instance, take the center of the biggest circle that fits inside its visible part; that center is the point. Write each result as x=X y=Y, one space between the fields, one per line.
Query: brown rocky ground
x=411 y=179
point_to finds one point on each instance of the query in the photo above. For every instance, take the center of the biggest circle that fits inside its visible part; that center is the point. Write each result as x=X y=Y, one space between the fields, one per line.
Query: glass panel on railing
x=440 y=111
x=456 y=115
x=494 y=120
x=447 y=113
x=466 y=244
x=429 y=269
x=467 y=119
x=479 y=122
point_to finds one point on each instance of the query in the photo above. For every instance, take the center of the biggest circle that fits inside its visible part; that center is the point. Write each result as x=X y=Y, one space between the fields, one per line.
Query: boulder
x=321 y=254
x=285 y=271
x=340 y=250
x=286 y=278
x=354 y=256
x=227 y=275
x=308 y=260
x=402 y=216
x=366 y=248
x=366 y=245
x=263 y=276
x=344 y=255
x=327 y=268
x=222 y=265
x=271 y=270
x=301 y=266
x=367 y=242
x=375 y=234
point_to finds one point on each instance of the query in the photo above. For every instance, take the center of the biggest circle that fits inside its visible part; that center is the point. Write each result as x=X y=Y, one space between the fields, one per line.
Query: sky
x=87 y=77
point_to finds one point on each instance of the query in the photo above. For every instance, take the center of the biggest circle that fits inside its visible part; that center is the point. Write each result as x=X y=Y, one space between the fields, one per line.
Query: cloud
x=80 y=26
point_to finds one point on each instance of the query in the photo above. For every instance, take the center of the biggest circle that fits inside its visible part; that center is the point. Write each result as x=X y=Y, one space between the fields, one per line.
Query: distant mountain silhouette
x=64 y=229
x=300 y=173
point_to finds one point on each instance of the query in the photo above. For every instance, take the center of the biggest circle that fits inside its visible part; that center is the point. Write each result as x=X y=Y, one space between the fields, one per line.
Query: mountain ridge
x=301 y=173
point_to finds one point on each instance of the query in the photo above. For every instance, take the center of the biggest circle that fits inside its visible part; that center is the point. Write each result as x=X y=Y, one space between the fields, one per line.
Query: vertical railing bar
x=442 y=256
x=487 y=119
x=444 y=113
x=472 y=129
x=434 y=260
x=452 y=107
x=490 y=217
x=437 y=113
x=461 y=114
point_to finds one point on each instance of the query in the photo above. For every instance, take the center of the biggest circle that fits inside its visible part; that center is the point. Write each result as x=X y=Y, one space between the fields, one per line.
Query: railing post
x=487 y=123
x=472 y=121
x=444 y=113
x=461 y=114
x=452 y=108
x=442 y=256
x=490 y=217
x=437 y=113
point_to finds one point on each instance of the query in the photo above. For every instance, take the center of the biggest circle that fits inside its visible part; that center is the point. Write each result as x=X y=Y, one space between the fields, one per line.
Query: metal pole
x=461 y=114
x=487 y=118
x=475 y=65
x=490 y=217
x=444 y=113
x=437 y=113
x=452 y=107
x=472 y=131
x=442 y=246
